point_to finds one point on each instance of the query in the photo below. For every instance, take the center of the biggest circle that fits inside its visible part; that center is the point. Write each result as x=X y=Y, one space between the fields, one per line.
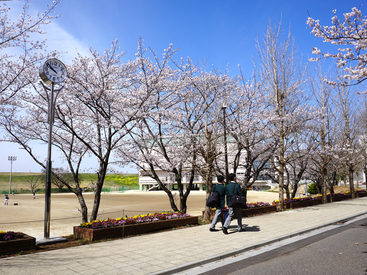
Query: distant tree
x=34 y=183
x=56 y=180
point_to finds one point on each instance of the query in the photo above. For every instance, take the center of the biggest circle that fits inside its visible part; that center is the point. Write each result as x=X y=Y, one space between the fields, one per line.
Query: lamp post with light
x=224 y=106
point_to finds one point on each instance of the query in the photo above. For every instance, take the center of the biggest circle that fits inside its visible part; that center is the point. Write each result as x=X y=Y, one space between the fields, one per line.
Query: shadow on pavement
x=233 y=229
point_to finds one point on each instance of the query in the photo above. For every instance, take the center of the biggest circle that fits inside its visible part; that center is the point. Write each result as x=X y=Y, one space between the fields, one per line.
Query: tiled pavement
x=173 y=251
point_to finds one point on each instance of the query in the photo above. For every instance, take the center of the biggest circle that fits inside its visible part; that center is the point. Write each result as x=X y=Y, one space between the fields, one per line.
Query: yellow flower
x=86 y=224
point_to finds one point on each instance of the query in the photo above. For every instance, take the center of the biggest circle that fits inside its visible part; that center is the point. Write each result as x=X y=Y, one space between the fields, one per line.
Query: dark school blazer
x=230 y=190
x=221 y=189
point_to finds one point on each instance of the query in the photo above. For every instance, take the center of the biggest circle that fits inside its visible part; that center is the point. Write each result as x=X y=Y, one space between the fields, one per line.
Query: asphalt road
x=339 y=250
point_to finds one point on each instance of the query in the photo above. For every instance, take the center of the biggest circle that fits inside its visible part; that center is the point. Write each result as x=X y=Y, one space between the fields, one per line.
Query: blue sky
x=217 y=32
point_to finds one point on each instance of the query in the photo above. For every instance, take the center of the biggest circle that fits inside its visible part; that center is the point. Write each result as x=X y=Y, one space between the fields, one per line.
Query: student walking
x=230 y=191
x=221 y=189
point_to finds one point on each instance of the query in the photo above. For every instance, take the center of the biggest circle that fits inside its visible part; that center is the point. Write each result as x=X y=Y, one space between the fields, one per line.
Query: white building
x=147 y=183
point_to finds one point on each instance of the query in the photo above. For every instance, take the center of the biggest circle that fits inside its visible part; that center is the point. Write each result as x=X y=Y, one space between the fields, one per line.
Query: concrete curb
x=221 y=256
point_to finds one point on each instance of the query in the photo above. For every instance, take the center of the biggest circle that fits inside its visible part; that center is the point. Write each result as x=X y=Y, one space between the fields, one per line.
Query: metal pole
x=225 y=144
x=11 y=168
x=123 y=226
x=48 y=170
x=11 y=159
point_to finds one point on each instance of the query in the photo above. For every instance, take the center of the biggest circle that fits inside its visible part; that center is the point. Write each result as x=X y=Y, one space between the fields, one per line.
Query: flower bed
x=338 y=197
x=253 y=208
x=303 y=203
x=257 y=204
x=122 y=227
x=13 y=242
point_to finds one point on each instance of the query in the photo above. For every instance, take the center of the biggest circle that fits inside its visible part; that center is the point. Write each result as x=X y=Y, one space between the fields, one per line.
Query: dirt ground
x=25 y=214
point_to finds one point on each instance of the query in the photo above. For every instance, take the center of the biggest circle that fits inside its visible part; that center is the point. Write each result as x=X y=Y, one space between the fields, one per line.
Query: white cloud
x=60 y=40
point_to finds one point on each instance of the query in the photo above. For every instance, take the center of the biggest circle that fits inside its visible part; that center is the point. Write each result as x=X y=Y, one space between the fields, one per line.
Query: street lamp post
x=11 y=159
x=224 y=106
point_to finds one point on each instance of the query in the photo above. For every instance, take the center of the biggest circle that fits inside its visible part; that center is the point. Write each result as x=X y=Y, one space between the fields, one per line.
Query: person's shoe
x=225 y=230
x=213 y=229
x=241 y=229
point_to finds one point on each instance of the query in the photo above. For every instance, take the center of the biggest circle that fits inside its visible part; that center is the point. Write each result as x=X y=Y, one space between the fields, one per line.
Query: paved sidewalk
x=173 y=251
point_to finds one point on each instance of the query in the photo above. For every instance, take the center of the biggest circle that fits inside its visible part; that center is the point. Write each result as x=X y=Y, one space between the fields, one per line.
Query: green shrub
x=312 y=189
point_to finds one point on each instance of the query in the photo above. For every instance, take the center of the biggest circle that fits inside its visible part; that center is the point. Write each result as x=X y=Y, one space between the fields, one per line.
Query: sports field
x=25 y=214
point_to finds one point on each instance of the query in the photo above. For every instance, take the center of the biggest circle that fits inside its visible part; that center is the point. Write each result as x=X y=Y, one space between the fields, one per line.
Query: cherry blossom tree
x=176 y=133
x=94 y=112
x=18 y=50
x=253 y=146
x=158 y=141
x=350 y=36
x=211 y=90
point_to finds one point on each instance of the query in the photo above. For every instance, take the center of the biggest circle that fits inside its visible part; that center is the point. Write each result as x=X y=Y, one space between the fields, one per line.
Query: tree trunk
x=286 y=186
x=281 y=187
x=324 y=185
x=294 y=192
x=97 y=196
x=83 y=206
x=351 y=183
x=333 y=183
x=209 y=184
x=281 y=170
x=97 y=199
x=357 y=186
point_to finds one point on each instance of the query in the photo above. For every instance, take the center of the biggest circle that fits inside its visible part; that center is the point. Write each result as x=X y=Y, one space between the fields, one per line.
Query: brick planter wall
x=361 y=195
x=258 y=210
x=339 y=198
x=17 y=245
x=248 y=212
x=131 y=229
x=294 y=205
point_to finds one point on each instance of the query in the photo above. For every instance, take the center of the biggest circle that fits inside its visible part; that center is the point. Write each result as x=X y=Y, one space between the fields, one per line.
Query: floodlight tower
x=11 y=159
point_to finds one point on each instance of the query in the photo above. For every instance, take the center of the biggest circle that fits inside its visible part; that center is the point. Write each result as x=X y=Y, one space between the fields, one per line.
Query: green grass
x=20 y=182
